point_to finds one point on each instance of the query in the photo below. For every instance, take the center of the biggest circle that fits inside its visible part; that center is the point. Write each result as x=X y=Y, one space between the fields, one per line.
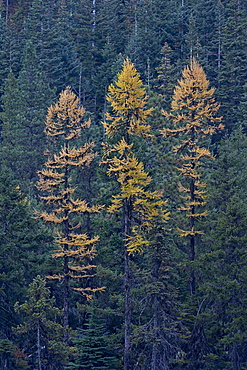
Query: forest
x=123 y=184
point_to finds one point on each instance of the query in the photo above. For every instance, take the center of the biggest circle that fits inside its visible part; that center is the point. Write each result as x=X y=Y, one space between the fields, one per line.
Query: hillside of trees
x=123 y=210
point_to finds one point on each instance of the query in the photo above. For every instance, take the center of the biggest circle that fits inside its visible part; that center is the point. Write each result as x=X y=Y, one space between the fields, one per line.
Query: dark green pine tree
x=209 y=20
x=39 y=334
x=10 y=48
x=223 y=267
x=58 y=56
x=157 y=329
x=193 y=47
x=48 y=26
x=23 y=242
x=82 y=25
x=93 y=351
x=165 y=81
x=3 y=51
x=25 y=102
x=233 y=69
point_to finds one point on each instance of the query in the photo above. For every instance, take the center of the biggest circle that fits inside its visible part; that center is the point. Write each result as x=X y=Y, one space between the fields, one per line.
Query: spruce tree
x=63 y=126
x=224 y=264
x=93 y=351
x=232 y=73
x=40 y=334
x=23 y=244
x=25 y=103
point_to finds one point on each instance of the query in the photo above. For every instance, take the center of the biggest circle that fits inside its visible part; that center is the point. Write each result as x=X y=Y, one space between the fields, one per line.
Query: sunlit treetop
x=65 y=117
x=193 y=108
x=128 y=101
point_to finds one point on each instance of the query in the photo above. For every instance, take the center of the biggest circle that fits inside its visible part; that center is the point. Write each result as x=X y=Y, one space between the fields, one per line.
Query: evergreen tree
x=48 y=27
x=224 y=265
x=156 y=338
x=128 y=102
x=23 y=244
x=25 y=102
x=42 y=336
x=165 y=82
x=92 y=348
x=209 y=22
x=63 y=127
x=3 y=52
x=232 y=74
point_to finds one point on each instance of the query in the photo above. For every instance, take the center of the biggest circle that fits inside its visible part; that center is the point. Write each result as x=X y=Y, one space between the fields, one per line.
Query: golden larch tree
x=128 y=101
x=193 y=115
x=64 y=210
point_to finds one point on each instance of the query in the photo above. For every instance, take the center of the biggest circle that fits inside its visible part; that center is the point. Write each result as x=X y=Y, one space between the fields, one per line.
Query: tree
x=224 y=263
x=140 y=207
x=47 y=26
x=23 y=244
x=157 y=327
x=63 y=126
x=93 y=351
x=165 y=81
x=193 y=114
x=193 y=118
x=41 y=334
x=25 y=102
x=233 y=72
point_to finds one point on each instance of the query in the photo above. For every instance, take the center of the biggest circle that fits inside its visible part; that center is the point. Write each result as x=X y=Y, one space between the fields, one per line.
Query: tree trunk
x=155 y=329
x=192 y=220
x=127 y=301
x=66 y=259
x=39 y=346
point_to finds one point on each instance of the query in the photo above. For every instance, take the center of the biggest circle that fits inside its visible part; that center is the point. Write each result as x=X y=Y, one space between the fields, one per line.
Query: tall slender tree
x=63 y=126
x=128 y=101
x=193 y=114
x=233 y=72
x=224 y=265
x=25 y=103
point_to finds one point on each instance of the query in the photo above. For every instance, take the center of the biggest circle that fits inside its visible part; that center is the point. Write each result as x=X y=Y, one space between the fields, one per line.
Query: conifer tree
x=63 y=127
x=233 y=72
x=193 y=114
x=224 y=264
x=25 y=102
x=140 y=207
x=41 y=334
x=23 y=241
x=165 y=81
x=93 y=351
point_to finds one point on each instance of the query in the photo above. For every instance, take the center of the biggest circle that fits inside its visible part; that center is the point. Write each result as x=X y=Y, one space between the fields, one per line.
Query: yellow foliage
x=191 y=232
x=135 y=243
x=194 y=117
x=128 y=100
x=65 y=117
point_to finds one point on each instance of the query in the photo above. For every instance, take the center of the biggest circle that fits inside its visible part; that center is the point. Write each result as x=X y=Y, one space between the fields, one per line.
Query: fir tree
x=92 y=348
x=224 y=264
x=41 y=334
x=232 y=73
x=23 y=244
x=25 y=102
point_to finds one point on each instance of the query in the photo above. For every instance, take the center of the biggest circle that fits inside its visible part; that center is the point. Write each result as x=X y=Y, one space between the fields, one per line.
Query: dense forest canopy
x=123 y=214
